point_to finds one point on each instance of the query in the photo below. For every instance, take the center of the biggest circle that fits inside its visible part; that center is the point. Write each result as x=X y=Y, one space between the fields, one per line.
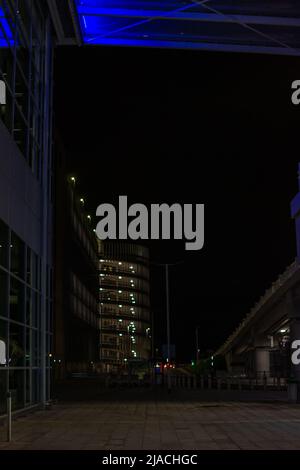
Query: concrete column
x=293 y=303
x=295 y=336
x=262 y=360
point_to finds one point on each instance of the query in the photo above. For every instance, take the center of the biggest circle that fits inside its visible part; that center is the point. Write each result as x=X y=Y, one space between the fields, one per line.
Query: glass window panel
x=28 y=386
x=28 y=348
x=35 y=348
x=35 y=386
x=34 y=272
x=3 y=390
x=28 y=316
x=16 y=387
x=16 y=345
x=3 y=343
x=17 y=256
x=20 y=130
x=3 y=244
x=29 y=267
x=21 y=91
x=16 y=300
x=34 y=309
x=3 y=294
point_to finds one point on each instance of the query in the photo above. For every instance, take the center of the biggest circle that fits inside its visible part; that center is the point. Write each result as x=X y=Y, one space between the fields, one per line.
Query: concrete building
x=124 y=305
x=76 y=287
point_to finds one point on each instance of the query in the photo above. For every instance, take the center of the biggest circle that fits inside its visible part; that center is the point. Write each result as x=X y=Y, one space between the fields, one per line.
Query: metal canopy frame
x=259 y=26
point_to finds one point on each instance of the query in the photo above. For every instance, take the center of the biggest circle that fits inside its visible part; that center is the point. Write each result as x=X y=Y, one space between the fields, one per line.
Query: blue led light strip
x=194 y=25
x=6 y=35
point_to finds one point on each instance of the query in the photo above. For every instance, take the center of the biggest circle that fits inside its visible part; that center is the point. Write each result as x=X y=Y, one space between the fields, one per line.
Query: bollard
x=9 y=417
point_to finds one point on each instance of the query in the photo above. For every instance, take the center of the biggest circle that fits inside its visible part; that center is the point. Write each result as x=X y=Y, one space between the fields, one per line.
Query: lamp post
x=166 y=266
x=197 y=345
x=168 y=329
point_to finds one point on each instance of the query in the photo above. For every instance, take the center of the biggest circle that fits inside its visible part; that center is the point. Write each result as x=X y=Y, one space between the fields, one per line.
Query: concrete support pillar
x=293 y=302
x=295 y=336
x=262 y=361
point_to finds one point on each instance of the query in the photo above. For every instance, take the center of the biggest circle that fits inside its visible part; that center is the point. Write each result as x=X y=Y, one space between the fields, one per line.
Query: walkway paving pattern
x=174 y=424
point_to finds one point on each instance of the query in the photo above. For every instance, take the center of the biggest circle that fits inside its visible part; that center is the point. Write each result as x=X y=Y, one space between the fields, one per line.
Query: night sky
x=190 y=127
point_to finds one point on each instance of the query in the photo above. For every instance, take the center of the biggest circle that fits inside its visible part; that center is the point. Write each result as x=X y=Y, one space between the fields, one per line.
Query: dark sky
x=190 y=127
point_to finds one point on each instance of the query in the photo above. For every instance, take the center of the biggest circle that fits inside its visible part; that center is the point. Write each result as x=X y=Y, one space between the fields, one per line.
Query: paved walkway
x=174 y=424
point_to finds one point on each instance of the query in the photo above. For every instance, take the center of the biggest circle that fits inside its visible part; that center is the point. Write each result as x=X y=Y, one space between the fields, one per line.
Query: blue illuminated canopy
x=265 y=26
x=6 y=36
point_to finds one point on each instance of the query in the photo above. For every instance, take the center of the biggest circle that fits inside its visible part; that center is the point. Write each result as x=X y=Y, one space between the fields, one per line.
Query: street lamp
x=197 y=345
x=168 y=328
x=167 y=265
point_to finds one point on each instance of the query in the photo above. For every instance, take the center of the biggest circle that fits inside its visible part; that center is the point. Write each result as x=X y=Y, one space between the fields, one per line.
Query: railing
x=208 y=382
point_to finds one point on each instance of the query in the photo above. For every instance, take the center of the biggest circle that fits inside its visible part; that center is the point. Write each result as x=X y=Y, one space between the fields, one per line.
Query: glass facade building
x=25 y=68
x=124 y=305
x=26 y=55
x=21 y=326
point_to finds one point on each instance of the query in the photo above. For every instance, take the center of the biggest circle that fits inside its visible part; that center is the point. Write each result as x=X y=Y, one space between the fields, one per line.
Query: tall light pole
x=168 y=329
x=166 y=266
x=197 y=345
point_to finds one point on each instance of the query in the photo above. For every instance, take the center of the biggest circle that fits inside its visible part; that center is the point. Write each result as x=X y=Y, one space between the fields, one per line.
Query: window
x=3 y=294
x=3 y=244
x=16 y=301
x=17 y=256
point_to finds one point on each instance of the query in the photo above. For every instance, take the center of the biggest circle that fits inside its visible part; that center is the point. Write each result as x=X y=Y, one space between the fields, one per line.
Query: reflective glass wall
x=24 y=68
x=26 y=57
x=21 y=329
